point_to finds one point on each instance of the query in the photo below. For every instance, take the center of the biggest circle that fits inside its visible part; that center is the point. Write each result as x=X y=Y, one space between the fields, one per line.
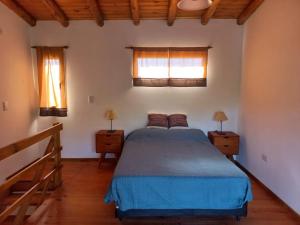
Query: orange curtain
x=51 y=77
x=174 y=66
x=189 y=58
x=147 y=57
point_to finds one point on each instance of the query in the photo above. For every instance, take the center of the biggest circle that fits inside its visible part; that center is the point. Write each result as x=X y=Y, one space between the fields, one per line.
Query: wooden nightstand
x=109 y=142
x=227 y=143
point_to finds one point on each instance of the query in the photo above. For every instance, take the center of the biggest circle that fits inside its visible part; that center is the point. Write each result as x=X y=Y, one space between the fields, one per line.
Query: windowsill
x=172 y=82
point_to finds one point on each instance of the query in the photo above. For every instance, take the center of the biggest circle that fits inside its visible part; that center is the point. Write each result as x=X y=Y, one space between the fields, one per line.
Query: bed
x=173 y=172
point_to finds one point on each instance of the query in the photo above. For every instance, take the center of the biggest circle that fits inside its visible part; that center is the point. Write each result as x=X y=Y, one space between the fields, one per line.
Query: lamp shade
x=110 y=115
x=220 y=116
x=190 y=5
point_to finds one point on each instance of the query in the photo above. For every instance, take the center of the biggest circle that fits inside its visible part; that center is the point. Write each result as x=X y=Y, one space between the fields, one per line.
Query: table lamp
x=111 y=115
x=220 y=117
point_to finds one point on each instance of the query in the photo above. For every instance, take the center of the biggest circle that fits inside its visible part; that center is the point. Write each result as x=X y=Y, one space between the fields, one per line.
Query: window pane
x=53 y=76
x=153 y=67
x=186 y=68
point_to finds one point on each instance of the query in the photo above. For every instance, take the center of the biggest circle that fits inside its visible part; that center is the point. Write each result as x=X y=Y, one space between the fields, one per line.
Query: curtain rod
x=132 y=47
x=66 y=47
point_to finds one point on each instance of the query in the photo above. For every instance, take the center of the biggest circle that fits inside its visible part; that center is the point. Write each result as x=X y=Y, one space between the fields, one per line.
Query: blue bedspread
x=176 y=169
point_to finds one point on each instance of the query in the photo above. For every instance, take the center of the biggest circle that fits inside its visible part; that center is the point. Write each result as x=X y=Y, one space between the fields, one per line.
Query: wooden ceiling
x=135 y=10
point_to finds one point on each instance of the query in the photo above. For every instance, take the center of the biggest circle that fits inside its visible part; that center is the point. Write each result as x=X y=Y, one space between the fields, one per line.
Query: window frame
x=45 y=55
x=170 y=82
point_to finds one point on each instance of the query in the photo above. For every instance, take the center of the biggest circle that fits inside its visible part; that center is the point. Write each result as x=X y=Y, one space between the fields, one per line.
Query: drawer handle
x=108 y=135
x=226 y=146
x=226 y=137
x=108 y=144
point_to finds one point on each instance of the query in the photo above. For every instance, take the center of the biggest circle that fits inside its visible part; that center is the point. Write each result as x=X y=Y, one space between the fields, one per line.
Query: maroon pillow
x=158 y=120
x=177 y=120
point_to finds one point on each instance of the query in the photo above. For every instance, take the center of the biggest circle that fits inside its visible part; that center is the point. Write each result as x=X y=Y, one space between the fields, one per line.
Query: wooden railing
x=43 y=178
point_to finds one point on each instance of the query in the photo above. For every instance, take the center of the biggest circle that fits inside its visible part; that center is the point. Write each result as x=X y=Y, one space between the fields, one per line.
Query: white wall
x=16 y=86
x=270 y=98
x=99 y=65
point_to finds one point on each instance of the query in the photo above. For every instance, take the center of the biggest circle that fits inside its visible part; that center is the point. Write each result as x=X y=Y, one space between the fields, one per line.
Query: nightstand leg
x=101 y=159
x=230 y=157
x=117 y=155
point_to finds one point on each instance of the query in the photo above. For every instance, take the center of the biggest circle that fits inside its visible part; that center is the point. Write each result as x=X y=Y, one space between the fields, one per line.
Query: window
x=52 y=72
x=51 y=78
x=179 y=67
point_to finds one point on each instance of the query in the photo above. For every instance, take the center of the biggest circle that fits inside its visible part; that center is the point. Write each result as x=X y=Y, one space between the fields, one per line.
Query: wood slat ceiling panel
x=120 y=9
x=153 y=9
x=75 y=9
x=229 y=9
x=115 y=9
x=36 y=9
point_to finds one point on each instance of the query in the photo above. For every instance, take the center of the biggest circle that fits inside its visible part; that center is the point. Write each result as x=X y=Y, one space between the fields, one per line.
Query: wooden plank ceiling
x=135 y=10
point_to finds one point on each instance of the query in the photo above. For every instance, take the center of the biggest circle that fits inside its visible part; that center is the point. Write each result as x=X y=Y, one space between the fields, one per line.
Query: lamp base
x=111 y=131
x=220 y=132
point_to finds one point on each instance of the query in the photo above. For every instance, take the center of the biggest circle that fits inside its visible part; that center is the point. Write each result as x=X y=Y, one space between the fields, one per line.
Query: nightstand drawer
x=228 y=149
x=109 y=139
x=226 y=140
x=108 y=147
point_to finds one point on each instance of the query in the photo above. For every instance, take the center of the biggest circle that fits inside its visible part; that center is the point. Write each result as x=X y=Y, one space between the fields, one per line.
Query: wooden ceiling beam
x=20 y=11
x=135 y=12
x=57 y=12
x=248 y=11
x=172 y=12
x=207 y=15
x=97 y=12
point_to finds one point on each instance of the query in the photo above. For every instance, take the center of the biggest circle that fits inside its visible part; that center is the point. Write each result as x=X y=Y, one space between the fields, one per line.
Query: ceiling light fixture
x=191 y=5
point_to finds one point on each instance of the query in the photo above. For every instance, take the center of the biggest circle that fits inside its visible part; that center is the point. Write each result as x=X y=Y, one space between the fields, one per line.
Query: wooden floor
x=80 y=202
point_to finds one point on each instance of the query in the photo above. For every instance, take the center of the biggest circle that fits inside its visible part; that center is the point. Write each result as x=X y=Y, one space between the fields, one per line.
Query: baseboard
x=266 y=188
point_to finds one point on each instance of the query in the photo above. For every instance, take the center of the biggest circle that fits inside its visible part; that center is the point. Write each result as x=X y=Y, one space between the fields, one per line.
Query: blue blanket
x=176 y=169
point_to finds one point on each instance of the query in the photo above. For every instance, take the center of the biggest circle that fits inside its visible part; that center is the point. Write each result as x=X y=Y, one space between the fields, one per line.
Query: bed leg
x=116 y=213
x=238 y=218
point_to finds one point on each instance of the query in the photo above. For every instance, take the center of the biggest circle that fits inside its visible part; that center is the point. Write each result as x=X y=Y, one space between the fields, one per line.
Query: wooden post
x=135 y=13
x=57 y=159
x=97 y=12
x=56 y=12
x=19 y=220
x=44 y=192
x=248 y=11
x=206 y=16
x=20 y=11
x=172 y=12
